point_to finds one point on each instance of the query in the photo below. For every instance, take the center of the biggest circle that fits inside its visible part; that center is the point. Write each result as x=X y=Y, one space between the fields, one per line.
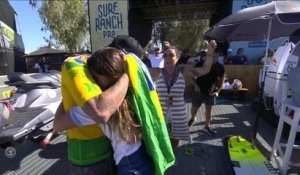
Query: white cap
x=229 y=50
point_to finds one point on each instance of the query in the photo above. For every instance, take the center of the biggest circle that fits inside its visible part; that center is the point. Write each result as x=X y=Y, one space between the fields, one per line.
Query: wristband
x=79 y=117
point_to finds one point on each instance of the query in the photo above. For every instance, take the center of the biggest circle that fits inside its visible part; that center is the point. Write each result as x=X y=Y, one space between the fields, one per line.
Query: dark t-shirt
x=239 y=59
x=208 y=82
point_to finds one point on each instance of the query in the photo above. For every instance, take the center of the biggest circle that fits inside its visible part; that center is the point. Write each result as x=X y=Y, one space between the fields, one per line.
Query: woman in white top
x=107 y=66
x=156 y=59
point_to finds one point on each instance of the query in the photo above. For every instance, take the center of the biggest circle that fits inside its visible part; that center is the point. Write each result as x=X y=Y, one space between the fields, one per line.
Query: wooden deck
x=208 y=158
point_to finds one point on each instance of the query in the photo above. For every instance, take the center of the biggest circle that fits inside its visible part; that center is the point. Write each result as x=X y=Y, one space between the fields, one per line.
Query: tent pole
x=261 y=92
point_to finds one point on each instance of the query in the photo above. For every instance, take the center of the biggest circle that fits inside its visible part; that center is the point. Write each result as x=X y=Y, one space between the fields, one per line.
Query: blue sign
x=255 y=44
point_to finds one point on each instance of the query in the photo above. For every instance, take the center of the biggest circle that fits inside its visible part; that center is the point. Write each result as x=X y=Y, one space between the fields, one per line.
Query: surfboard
x=246 y=159
x=273 y=74
x=282 y=91
x=274 y=69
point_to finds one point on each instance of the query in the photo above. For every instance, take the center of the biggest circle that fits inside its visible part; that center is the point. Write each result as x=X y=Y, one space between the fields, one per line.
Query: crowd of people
x=223 y=58
x=109 y=130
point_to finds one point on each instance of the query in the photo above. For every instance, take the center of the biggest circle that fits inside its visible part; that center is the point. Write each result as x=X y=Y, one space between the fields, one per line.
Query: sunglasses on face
x=168 y=55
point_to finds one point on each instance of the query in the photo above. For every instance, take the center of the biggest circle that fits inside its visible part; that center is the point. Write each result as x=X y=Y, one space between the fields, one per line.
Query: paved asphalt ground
x=230 y=117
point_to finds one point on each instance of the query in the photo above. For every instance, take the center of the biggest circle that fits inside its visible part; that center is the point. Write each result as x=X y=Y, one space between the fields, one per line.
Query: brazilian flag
x=145 y=102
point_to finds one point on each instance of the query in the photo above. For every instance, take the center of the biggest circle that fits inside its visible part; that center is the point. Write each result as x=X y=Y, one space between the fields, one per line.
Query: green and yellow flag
x=144 y=99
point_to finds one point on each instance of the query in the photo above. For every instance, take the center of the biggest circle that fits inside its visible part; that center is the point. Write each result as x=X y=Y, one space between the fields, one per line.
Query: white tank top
x=120 y=147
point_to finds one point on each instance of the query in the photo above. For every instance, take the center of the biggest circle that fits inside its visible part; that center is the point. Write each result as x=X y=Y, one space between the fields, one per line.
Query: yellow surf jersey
x=86 y=145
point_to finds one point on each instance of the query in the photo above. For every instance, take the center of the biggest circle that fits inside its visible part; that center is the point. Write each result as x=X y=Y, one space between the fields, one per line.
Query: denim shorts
x=199 y=98
x=138 y=163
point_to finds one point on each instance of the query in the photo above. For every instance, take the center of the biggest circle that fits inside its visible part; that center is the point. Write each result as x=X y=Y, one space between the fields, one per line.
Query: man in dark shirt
x=210 y=86
x=239 y=58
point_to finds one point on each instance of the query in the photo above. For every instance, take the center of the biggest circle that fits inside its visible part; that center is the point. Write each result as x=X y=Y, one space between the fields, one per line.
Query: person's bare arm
x=219 y=86
x=62 y=120
x=100 y=108
x=199 y=71
x=74 y=118
x=220 y=83
x=148 y=44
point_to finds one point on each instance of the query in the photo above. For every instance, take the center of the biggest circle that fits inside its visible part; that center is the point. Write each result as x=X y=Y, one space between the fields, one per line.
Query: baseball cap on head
x=127 y=43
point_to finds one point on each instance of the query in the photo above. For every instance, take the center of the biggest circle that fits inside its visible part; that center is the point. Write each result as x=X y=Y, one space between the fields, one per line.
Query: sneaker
x=209 y=131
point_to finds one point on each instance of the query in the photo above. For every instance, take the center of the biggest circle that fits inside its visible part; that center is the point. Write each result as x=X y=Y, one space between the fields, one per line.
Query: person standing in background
x=227 y=58
x=47 y=66
x=199 y=58
x=40 y=66
x=270 y=55
x=239 y=58
x=170 y=87
x=210 y=86
x=148 y=49
x=156 y=59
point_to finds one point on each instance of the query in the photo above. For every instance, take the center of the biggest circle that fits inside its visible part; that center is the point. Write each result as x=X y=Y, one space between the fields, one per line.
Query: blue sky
x=29 y=25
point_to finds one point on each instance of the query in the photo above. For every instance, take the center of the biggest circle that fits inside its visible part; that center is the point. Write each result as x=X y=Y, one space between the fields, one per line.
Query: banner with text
x=7 y=36
x=107 y=20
